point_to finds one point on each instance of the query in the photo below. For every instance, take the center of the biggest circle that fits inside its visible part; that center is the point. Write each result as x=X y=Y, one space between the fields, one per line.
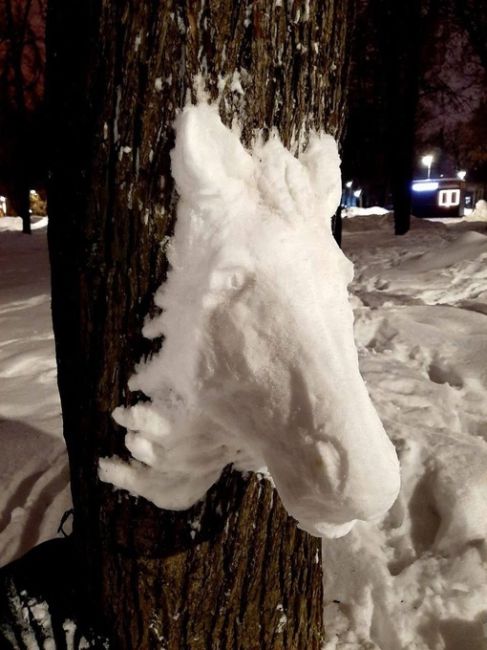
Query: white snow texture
x=259 y=366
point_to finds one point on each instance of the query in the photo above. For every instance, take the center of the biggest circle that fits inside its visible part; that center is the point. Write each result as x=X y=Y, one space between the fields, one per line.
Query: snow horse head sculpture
x=258 y=367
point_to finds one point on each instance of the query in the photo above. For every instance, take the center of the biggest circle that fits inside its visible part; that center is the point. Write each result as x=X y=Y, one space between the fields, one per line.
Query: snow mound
x=259 y=365
x=468 y=246
x=480 y=212
x=14 y=224
x=375 y=210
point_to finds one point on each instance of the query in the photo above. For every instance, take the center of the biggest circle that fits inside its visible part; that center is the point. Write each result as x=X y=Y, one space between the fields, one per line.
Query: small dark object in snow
x=38 y=600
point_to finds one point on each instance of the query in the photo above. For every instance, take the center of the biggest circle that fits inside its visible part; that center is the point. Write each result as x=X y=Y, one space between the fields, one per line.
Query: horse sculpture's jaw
x=259 y=365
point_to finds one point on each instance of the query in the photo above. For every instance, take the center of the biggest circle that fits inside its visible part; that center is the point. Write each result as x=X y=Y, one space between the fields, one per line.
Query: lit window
x=448 y=198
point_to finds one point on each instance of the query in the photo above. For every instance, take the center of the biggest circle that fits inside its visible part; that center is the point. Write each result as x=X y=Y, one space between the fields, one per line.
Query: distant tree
x=379 y=144
x=416 y=85
x=364 y=160
x=22 y=64
x=114 y=86
x=452 y=95
x=473 y=16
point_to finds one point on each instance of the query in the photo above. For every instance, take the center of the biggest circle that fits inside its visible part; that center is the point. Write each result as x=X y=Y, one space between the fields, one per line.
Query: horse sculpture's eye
x=236 y=279
x=230 y=279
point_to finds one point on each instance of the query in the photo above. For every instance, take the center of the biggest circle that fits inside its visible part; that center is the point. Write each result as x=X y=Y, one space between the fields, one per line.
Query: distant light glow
x=425 y=186
x=349 y=184
x=357 y=193
x=461 y=174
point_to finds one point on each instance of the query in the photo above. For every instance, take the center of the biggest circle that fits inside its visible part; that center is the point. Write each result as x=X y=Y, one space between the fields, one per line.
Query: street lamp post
x=348 y=194
x=427 y=162
x=357 y=194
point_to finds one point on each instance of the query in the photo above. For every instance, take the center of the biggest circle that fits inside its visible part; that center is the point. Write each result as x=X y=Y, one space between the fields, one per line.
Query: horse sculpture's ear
x=323 y=164
x=283 y=181
x=208 y=161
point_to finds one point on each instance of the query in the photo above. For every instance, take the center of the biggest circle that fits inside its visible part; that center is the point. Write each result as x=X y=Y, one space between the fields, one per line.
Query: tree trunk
x=379 y=147
x=402 y=50
x=234 y=571
x=25 y=210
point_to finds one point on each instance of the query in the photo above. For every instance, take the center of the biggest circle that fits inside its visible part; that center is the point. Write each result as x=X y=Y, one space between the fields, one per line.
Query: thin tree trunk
x=24 y=208
x=402 y=51
x=234 y=571
x=473 y=17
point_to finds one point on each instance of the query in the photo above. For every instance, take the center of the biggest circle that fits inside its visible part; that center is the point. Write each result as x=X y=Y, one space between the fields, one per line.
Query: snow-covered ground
x=34 y=481
x=418 y=579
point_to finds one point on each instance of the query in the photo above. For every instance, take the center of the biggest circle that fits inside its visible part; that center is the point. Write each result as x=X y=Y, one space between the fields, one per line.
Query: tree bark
x=233 y=571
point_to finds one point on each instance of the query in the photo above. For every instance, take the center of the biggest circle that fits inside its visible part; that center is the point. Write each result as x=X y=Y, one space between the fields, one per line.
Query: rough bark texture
x=232 y=572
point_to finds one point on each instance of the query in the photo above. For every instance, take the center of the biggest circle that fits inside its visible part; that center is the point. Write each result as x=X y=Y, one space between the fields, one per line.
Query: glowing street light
x=357 y=193
x=427 y=162
x=348 y=184
x=461 y=174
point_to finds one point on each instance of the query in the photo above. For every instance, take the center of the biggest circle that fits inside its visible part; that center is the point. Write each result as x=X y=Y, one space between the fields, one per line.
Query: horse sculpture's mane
x=258 y=330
